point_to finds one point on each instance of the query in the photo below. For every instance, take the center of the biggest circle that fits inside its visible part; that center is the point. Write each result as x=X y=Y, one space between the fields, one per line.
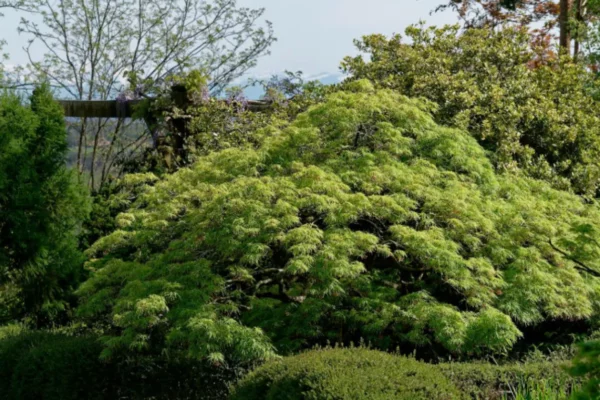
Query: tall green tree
x=534 y=114
x=41 y=208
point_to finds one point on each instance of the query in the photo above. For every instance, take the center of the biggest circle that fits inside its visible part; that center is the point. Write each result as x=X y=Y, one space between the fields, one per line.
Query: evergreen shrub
x=41 y=365
x=345 y=374
x=50 y=366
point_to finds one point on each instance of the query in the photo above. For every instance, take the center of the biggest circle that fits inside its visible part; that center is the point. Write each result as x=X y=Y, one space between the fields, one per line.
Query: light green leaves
x=363 y=219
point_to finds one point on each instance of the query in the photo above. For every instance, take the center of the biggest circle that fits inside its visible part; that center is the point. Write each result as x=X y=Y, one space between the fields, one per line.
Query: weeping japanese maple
x=363 y=219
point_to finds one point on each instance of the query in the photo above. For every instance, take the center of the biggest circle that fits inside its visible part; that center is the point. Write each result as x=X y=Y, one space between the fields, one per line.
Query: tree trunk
x=81 y=146
x=106 y=164
x=580 y=14
x=99 y=129
x=563 y=20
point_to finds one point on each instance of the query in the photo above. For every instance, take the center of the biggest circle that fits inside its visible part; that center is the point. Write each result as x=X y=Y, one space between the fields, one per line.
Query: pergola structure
x=127 y=109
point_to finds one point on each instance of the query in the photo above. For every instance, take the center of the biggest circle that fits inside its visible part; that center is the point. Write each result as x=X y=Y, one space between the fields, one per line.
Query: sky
x=313 y=35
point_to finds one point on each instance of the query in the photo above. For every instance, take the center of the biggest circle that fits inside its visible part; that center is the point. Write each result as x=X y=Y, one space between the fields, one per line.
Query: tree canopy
x=533 y=114
x=362 y=219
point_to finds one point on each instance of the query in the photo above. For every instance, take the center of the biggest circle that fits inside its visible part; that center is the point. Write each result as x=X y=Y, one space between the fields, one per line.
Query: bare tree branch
x=578 y=264
x=95 y=49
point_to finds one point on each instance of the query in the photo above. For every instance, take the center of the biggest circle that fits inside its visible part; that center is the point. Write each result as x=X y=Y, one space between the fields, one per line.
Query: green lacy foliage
x=363 y=219
x=113 y=198
x=10 y=330
x=539 y=118
x=345 y=374
x=41 y=207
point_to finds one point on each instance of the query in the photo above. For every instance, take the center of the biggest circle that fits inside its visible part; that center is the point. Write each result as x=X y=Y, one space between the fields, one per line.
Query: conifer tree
x=41 y=208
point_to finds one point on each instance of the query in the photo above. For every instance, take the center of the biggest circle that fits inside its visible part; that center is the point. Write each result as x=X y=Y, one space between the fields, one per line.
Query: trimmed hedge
x=345 y=374
x=41 y=365
x=492 y=382
x=173 y=379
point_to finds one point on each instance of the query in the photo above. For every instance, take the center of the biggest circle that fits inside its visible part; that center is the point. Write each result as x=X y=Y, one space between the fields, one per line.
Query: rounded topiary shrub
x=345 y=374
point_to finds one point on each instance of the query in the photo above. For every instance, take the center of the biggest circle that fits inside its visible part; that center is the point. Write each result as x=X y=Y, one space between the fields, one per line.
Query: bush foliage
x=41 y=365
x=443 y=201
x=363 y=219
x=498 y=382
x=54 y=366
x=586 y=364
x=345 y=374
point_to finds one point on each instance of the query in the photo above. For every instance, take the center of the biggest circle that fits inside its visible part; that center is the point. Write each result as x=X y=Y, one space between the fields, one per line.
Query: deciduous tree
x=92 y=46
x=535 y=114
x=363 y=219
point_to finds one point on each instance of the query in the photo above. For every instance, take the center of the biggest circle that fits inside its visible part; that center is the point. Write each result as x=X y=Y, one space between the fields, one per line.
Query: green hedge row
x=346 y=374
x=50 y=366
x=41 y=365
x=45 y=366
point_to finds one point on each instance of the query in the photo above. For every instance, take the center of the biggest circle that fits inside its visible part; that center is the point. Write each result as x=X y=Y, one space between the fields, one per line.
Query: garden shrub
x=345 y=374
x=586 y=365
x=172 y=378
x=42 y=365
x=494 y=382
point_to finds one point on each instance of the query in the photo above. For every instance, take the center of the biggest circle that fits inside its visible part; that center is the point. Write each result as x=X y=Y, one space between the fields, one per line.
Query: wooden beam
x=98 y=108
x=114 y=109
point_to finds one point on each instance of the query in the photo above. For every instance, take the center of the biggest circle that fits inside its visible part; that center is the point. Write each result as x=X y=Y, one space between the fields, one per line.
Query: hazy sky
x=313 y=35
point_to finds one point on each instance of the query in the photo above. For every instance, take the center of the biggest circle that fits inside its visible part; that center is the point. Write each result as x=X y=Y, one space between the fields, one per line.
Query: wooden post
x=114 y=109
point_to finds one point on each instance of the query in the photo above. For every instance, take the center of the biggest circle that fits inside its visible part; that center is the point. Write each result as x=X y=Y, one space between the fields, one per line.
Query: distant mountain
x=251 y=92
x=256 y=92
